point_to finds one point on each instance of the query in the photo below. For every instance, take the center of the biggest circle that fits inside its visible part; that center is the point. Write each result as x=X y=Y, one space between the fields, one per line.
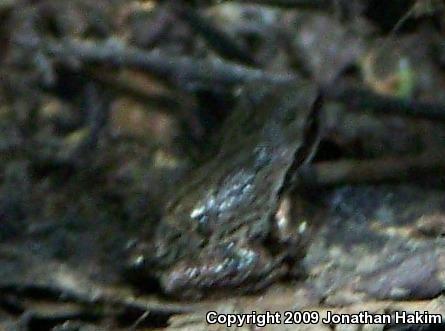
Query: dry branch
x=361 y=98
x=308 y=4
x=179 y=70
x=331 y=173
x=185 y=72
x=223 y=43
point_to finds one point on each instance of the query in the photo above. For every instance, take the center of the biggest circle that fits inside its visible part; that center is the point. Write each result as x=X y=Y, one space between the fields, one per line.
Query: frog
x=219 y=230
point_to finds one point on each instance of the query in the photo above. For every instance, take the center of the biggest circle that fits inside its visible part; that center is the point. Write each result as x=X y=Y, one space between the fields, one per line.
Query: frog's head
x=290 y=106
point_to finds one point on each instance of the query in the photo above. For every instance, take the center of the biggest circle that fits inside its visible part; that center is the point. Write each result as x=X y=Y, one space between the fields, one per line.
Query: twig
x=185 y=72
x=364 y=99
x=308 y=4
x=224 y=44
x=78 y=153
x=97 y=297
x=332 y=173
x=179 y=70
x=158 y=28
x=97 y=105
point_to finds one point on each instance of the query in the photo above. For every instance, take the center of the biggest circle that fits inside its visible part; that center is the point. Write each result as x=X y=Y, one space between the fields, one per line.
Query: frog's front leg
x=232 y=265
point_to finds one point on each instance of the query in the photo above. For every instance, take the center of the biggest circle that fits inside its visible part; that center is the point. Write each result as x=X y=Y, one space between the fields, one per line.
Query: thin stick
x=361 y=99
x=179 y=70
x=223 y=43
x=307 y=4
x=185 y=71
x=333 y=173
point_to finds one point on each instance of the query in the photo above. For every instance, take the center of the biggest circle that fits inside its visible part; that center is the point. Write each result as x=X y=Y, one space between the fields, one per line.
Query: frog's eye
x=203 y=243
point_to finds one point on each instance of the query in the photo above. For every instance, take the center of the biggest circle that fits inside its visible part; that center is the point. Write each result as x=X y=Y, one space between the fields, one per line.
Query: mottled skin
x=213 y=232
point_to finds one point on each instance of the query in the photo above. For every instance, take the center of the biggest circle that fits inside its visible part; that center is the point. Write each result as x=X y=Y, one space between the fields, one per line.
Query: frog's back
x=240 y=185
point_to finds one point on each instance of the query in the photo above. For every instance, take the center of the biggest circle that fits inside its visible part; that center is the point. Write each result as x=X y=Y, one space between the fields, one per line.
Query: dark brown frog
x=216 y=232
